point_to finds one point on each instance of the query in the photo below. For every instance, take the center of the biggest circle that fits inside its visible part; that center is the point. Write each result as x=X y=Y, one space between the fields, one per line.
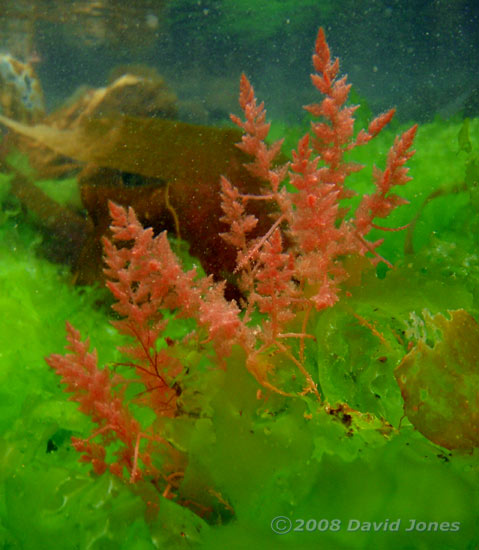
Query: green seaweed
x=252 y=460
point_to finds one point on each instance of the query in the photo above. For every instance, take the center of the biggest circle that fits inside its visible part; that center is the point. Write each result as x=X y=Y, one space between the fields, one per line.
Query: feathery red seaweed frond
x=145 y=279
x=92 y=388
x=256 y=130
x=381 y=203
x=287 y=274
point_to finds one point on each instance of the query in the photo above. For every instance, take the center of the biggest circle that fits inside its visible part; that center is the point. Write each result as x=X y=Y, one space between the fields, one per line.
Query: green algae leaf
x=49 y=507
x=439 y=382
x=356 y=353
x=176 y=527
x=463 y=137
x=348 y=434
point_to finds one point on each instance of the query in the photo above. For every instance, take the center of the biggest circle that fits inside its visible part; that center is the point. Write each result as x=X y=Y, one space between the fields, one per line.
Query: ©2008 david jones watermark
x=282 y=525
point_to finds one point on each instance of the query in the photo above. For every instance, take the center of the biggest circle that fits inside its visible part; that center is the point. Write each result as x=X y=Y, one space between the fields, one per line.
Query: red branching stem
x=311 y=384
x=258 y=197
x=251 y=254
x=371 y=247
x=146 y=351
x=392 y=229
x=304 y=324
x=136 y=453
x=381 y=203
x=295 y=335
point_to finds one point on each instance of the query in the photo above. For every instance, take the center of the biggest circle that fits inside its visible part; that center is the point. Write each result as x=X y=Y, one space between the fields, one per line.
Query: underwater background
x=107 y=101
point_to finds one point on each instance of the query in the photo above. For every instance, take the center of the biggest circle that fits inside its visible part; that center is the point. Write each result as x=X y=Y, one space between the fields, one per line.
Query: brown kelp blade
x=181 y=165
x=166 y=149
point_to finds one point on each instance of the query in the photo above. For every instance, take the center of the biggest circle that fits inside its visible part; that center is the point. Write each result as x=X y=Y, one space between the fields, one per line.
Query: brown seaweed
x=166 y=149
x=179 y=165
x=439 y=382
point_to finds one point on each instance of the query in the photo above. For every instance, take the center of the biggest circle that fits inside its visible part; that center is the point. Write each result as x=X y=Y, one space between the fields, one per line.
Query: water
x=421 y=57
x=346 y=417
